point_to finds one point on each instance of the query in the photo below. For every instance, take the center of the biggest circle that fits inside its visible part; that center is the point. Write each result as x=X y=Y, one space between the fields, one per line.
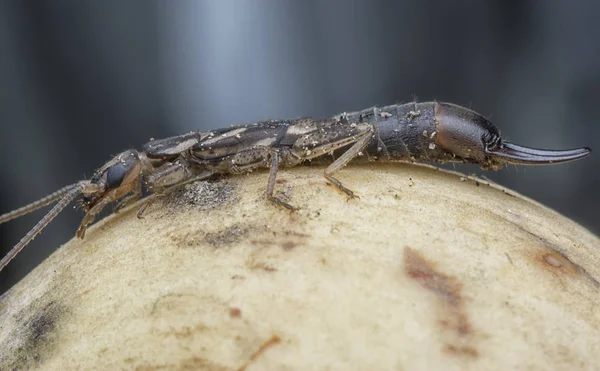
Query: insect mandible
x=418 y=132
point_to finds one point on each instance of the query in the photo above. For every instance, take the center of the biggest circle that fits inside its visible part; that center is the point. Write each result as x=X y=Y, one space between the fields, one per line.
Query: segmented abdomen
x=402 y=132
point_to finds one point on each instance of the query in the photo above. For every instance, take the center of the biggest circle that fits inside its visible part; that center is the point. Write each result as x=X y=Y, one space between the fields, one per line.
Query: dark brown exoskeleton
x=421 y=132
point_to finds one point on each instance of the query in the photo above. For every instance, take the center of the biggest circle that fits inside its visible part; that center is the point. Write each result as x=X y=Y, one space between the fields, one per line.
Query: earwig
x=414 y=132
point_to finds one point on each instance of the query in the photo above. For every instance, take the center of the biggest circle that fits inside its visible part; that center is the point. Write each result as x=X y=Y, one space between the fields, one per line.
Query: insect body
x=428 y=132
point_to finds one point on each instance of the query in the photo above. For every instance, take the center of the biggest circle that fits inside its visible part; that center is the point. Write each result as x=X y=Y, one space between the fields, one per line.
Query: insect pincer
x=472 y=137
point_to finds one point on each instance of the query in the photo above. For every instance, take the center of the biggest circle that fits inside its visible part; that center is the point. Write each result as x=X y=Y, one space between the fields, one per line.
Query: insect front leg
x=128 y=200
x=91 y=215
x=168 y=179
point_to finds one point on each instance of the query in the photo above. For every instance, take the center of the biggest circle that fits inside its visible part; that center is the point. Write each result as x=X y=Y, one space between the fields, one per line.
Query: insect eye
x=115 y=175
x=119 y=171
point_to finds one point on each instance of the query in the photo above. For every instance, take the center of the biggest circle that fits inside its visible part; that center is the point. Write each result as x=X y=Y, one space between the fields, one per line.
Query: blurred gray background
x=83 y=80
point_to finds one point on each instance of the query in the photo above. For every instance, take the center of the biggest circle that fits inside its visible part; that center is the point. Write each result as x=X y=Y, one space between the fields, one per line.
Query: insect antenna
x=37 y=204
x=68 y=194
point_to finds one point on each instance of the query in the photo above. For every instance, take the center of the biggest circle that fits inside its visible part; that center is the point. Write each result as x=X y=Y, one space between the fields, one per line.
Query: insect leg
x=91 y=215
x=254 y=158
x=344 y=159
x=271 y=184
x=128 y=200
x=169 y=179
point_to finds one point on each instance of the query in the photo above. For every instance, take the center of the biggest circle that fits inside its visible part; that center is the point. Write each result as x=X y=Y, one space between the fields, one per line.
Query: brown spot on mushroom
x=269 y=343
x=192 y=363
x=552 y=259
x=261 y=265
x=452 y=315
x=458 y=350
x=447 y=288
x=226 y=237
x=199 y=363
x=556 y=262
x=262 y=260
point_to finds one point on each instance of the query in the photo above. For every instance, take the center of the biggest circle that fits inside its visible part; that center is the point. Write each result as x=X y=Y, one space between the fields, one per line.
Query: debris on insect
x=411 y=115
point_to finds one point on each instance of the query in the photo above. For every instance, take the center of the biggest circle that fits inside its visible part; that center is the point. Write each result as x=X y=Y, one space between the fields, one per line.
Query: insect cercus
x=428 y=132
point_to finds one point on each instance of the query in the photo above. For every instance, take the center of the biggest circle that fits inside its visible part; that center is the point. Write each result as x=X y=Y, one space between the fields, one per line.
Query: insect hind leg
x=271 y=185
x=344 y=159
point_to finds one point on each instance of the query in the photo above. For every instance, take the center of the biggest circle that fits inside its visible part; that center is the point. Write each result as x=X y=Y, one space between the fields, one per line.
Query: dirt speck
x=254 y=263
x=170 y=302
x=186 y=332
x=288 y=245
x=226 y=237
x=235 y=312
x=287 y=240
x=204 y=195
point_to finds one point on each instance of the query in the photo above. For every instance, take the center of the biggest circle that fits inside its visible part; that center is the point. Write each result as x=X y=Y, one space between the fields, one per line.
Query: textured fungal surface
x=428 y=270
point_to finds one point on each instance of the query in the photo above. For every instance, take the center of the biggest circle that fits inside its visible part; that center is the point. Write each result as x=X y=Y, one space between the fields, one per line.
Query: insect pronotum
x=428 y=132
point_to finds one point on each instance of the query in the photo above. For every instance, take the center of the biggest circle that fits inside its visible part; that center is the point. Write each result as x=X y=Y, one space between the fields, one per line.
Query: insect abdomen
x=402 y=132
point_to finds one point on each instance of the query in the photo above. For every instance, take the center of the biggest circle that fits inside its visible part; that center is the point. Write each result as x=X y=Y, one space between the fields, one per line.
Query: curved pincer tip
x=515 y=154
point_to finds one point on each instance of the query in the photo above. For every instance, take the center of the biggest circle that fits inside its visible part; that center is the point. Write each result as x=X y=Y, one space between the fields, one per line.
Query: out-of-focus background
x=82 y=81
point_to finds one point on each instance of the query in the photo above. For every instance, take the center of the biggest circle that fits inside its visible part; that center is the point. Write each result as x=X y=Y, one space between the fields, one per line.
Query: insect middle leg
x=254 y=158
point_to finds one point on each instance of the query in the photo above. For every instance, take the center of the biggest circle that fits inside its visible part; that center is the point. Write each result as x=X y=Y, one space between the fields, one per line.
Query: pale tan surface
x=425 y=272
